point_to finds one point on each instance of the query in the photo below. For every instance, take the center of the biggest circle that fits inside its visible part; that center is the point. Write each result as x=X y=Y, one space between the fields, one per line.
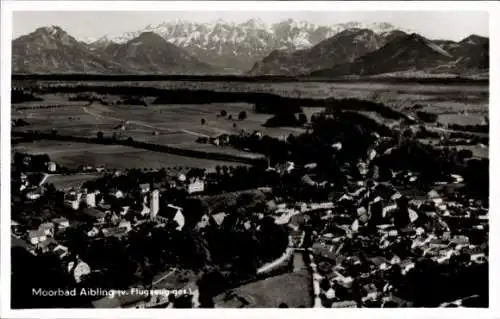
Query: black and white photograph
x=255 y=158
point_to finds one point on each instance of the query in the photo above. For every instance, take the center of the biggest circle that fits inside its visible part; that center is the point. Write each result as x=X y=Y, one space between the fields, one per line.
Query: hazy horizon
x=451 y=25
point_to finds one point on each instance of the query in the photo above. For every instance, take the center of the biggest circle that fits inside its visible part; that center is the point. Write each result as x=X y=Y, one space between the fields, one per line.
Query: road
x=446 y=130
x=269 y=266
x=165 y=276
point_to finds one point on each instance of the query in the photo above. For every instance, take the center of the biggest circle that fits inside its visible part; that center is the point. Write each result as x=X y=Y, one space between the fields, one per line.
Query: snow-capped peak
x=87 y=40
x=250 y=41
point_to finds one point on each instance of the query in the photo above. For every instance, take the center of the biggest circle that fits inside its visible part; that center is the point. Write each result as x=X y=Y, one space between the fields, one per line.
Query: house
x=387 y=210
x=359 y=191
x=330 y=294
x=51 y=167
x=90 y=199
x=460 y=240
x=247 y=225
x=93 y=232
x=116 y=193
x=118 y=232
x=379 y=262
x=457 y=178
x=395 y=260
x=433 y=194
x=125 y=224
x=179 y=219
x=344 y=197
x=33 y=195
x=311 y=166
x=337 y=146
x=47 y=245
x=412 y=215
x=47 y=228
x=195 y=186
x=60 y=251
x=306 y=180
x=413 y=179
x=396 y=196
x=416 y=203
x=78 y=269
x=35 y=237
x=363 y=168
x=145 y=210
x=406 y=265
x=219 y=218
x=61 y=222
x=168 y=213
x=204 y=221
x=95 y=214
x=437 y=243
x=479 y=258
x=144 y=188
x=289 y=166
x=72 y=199
x=100 y=169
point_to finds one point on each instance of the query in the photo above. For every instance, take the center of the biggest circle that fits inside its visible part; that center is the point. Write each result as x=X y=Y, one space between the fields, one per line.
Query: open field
x=180 y=125
x=113 y=156
x=477 y=151
x=463 y=119
x=63 y=182
x=292 y=289
x=175 y=125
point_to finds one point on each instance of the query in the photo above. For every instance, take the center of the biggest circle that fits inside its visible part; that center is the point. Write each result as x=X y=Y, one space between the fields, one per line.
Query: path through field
x=86 y=110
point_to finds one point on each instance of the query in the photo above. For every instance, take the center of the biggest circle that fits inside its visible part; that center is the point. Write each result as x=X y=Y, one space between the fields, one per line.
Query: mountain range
x=412 y=52
x=285 y=48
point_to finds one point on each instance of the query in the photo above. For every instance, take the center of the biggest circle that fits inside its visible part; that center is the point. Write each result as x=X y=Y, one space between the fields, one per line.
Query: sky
x=451 y=25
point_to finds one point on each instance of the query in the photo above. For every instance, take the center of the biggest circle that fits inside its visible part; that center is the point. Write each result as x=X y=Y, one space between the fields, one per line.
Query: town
x=366 y=216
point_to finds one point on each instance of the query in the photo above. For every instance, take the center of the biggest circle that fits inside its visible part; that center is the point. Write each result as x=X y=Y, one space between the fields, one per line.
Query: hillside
x=150 y=53
x=410 y=54
x=52 y=50
x=344 y=47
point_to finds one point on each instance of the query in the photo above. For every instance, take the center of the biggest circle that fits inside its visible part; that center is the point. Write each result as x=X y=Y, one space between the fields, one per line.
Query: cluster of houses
x=376 y=218
x=43 y=240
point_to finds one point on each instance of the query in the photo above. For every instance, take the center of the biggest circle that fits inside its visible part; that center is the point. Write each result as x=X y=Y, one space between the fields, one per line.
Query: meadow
x=113 y=156
x=180 y=125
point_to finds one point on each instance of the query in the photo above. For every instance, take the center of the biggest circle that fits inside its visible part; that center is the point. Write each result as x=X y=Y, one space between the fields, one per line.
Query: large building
x=171 y=212
x=196 y=186
x=154 y=203
x=90 y=199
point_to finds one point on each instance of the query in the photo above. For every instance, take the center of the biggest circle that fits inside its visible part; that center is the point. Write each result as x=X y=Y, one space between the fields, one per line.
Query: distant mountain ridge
x=344 y=47
x=412 y=53
x=52 y=50
x=287 y=48
x=150 y=53
x=236 y=47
